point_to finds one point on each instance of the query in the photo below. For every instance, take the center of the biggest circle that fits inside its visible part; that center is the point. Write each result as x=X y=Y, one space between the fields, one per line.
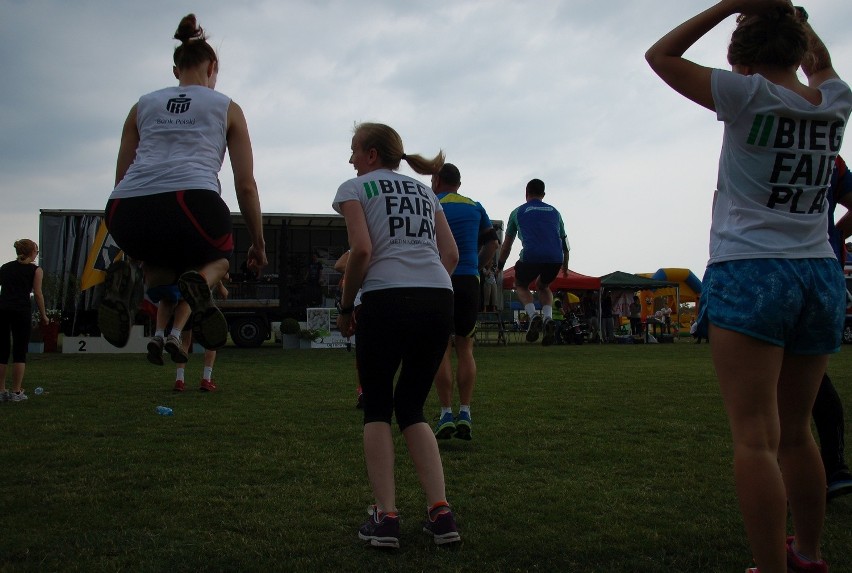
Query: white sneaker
x=19 y=396
x=5 y=396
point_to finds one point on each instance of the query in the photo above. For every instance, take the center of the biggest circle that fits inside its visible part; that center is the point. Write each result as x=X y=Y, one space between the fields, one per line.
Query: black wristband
x=345 y=309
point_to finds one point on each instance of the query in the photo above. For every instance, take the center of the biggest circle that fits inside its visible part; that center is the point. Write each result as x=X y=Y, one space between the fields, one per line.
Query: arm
x=127 y=148
x=221 y=289
x=39 y=295
x=242 y=164
x=504 y=251
x=489 y=241
x=688 y=78
x=844 y=225
x=360 y=253
x=447 y=248
x=340 y=264
x=817 y=63
x=566 y=254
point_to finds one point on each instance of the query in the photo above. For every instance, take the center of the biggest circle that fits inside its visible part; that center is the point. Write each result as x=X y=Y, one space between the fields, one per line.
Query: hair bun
x=188 y=29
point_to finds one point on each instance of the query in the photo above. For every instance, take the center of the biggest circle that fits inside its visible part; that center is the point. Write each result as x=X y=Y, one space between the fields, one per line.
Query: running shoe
x=5 y=396
x=463 y=426
x=115 y=313
x=155 y=350
x=174 y=346
x=549 y=332
x=207 y=386
x=798 y=564
x=209 y=326
x=380 y=529
x=19 y=396
x=446 y=426
x=839 y=483
x=441 y=525
x=179 y=386
x=535 y=328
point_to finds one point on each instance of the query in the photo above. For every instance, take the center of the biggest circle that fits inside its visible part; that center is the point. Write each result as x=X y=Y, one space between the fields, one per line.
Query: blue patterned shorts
x=798 y=304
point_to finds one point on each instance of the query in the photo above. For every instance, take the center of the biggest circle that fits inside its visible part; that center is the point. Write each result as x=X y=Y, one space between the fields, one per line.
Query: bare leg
x=466 y=369
x=801 y=463
x=748 y=371
x=165 y=309
x=444 y=378
x=182 y=313
x=214 y=271
x=379 y=453
x=423 y=449
x=18 y=369
x=524 y=294
x=545 y=295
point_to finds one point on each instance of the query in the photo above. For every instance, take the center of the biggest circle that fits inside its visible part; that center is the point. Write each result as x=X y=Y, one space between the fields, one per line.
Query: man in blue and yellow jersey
x=540 y=228
x=477 y=242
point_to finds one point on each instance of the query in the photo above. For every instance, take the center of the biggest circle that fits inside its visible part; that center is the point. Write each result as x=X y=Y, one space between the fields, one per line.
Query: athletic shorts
x=525 y=273
x=465 y=304
x=177 y=231
x=798 y=304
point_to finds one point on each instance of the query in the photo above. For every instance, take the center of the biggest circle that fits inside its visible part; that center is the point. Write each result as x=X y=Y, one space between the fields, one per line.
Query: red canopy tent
x=573 y=281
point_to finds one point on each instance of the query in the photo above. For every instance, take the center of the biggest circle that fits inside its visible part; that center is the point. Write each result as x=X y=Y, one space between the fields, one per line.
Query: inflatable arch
x=690 y=286
x=689 y=291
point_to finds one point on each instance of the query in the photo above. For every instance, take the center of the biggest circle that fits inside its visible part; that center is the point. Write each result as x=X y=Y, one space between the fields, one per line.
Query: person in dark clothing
x=828 y=409
x=18 y=279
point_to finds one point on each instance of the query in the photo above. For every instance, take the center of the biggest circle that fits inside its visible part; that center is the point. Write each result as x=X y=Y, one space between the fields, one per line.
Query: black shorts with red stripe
x=177 y=231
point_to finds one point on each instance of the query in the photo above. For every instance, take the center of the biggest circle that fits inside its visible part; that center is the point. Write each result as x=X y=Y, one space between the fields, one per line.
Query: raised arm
x=684 y=76
x=817 y=62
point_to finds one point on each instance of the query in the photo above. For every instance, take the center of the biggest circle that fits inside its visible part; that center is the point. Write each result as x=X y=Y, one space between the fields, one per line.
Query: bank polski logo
x=178 y=104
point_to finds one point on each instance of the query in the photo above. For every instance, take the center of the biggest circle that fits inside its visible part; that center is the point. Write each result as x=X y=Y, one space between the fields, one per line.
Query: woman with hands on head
x=772 y=296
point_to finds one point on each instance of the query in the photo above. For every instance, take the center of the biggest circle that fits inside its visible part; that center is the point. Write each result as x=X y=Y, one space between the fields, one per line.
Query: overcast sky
x=557 y=90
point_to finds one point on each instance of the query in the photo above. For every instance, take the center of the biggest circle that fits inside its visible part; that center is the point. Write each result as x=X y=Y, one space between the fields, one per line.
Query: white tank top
x=181 y=142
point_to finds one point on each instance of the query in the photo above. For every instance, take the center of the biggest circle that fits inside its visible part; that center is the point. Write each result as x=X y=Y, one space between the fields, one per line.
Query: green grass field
x=611 y=458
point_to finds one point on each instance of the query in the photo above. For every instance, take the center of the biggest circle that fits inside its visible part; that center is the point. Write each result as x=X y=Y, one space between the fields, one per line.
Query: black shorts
x=177 y=231
x=465 y=304
x=525 y=273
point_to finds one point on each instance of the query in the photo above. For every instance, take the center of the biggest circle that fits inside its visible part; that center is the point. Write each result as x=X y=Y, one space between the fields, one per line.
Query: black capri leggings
x=14 y=334
x=407 y=326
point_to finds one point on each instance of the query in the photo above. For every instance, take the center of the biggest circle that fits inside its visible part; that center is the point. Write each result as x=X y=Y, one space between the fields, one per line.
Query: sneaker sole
x=838 y=489
x=388 y=542
x=446 y=431
x=114 y=319
x=176 y=353
x=444 y=539
x=463 y=432
x=534 y=331
x=155 y=354
x=209 y=326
